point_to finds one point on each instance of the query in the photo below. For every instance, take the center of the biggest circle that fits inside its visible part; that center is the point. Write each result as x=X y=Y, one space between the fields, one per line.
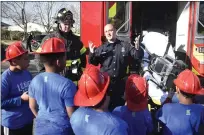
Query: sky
x=30 y=4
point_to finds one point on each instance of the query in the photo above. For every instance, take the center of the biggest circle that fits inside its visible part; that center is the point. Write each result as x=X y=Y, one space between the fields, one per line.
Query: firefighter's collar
x=114 y=43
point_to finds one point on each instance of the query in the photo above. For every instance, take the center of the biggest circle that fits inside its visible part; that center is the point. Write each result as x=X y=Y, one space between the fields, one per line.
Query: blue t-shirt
x=15 y=112
x=140 y=122
x=180 y=119
x=86 y=121
x=53 y=93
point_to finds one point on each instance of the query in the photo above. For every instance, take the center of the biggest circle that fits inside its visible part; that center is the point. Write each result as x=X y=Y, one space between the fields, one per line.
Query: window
x=118 y=15
x=200 y=22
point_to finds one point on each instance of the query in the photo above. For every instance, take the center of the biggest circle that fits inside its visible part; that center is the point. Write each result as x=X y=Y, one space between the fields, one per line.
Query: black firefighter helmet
x=64 y=16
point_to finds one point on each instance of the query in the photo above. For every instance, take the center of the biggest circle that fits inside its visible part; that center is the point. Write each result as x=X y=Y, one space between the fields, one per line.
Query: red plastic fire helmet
x=93 y=85
x=136 y=93
x=188 y=82
x=52 y=45
x=14 y=50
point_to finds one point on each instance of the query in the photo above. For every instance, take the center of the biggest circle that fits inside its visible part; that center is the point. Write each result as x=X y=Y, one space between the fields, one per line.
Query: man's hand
x=91 y=46
x=25 y=96
x=137 y=43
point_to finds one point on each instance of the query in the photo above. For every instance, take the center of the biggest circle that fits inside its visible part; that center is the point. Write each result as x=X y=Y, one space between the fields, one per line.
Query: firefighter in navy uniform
x=113 y=58
x=76 y=52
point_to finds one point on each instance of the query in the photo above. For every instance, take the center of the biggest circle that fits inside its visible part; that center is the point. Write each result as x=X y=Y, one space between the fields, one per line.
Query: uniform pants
x=116 y=93
x=26 y=130
x=2 y=130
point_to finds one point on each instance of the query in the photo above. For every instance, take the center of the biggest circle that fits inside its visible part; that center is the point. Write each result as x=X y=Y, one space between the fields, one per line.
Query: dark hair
x=50 y=58
x=100 y=103
x=187 y=95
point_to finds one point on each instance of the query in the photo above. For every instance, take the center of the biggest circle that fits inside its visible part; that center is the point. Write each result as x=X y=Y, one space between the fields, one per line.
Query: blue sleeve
x=31 y=77
x=161 y=114
x=120 y=131
x=12 y=102
x=68 y=94
x=117 y=112
x=31 y=91
x=5 y=101
x=202 y=116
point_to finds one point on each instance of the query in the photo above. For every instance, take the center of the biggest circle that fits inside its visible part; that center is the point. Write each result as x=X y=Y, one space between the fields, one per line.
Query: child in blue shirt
x=52 y=93
x=93 y=117
x=136 y=112
x=185 y=117
x=16 y=114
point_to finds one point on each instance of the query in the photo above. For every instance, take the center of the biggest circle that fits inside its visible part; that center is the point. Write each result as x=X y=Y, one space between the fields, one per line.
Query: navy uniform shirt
x=113 y=57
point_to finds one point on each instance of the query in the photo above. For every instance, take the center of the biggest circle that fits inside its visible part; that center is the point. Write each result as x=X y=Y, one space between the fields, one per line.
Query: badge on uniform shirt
x=123 y=49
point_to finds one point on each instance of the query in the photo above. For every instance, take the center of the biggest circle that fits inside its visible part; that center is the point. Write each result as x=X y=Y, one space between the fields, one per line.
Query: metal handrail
x=121 y=27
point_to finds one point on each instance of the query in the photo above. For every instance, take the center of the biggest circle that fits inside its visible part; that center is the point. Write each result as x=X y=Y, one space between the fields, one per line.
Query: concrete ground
x=31 y=68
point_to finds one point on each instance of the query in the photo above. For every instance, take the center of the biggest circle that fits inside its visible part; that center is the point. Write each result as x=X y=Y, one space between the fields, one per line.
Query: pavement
x=32 y=67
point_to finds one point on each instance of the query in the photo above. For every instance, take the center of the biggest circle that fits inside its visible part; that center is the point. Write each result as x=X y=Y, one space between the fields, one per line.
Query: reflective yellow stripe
x=69 y=62
x=79 y=60
x=39 y=49
x=82 y=69
x=157 y=102
x=112 y=10
x=83 y=50
x=75 y=82
x=128 y=70
x=149 y=107
x=195 y=71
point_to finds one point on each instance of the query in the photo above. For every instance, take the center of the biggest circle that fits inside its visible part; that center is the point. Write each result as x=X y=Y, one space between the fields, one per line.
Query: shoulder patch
x=188 y=112
x=45 y=79
x=133 y=114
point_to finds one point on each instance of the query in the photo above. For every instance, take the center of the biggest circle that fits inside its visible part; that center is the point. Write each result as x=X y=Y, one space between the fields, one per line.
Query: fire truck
x=183 y=20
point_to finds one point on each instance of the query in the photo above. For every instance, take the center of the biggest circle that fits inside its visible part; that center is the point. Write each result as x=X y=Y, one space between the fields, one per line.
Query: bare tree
x=45 y=11
x=13 y=11
x=75 y=9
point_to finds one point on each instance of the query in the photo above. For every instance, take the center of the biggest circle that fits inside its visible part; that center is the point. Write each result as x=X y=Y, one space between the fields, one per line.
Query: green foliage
x=11 y=35
x=36 y=32
x=15 y=35
x=5 y=34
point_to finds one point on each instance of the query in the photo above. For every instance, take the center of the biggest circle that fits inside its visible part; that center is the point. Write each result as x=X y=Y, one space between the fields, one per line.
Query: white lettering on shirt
x=45 y=79
x=87 y=118
x=22 y=87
